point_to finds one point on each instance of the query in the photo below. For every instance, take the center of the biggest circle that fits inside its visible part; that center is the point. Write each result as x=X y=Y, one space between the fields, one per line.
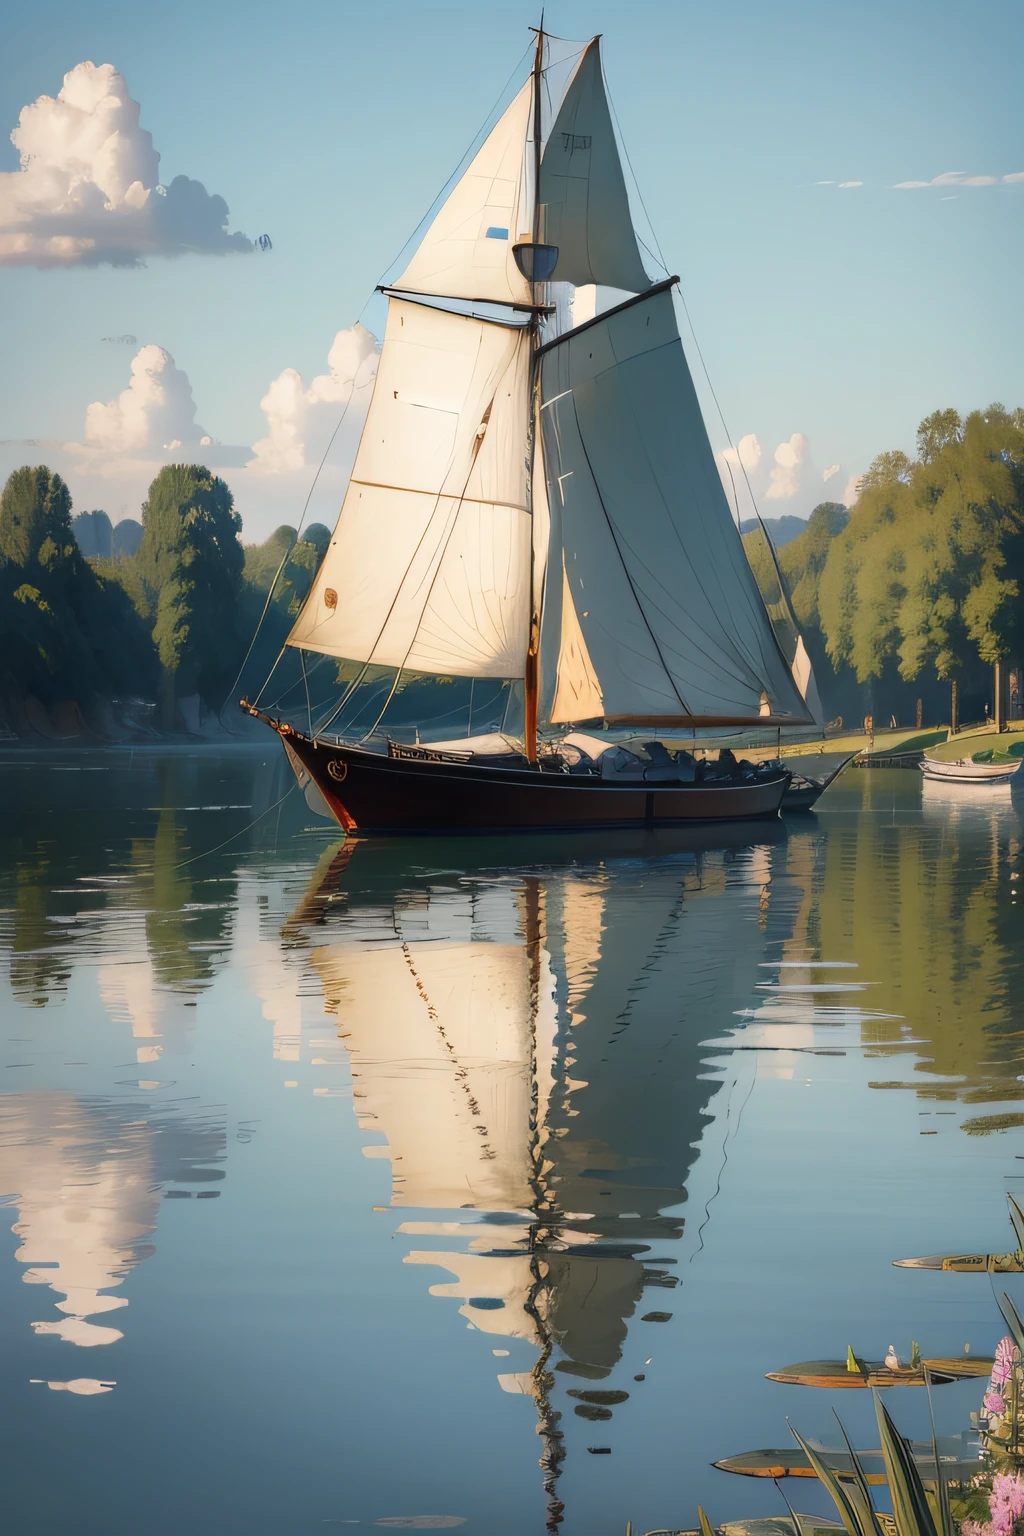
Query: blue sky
x=842 y=315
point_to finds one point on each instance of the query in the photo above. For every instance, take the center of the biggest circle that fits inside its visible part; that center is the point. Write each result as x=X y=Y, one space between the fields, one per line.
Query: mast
x=531 y=681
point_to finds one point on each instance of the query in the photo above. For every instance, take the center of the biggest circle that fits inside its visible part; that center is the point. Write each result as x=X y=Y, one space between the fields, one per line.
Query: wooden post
x=919 y=714
x=954 y=708
x=999 y=711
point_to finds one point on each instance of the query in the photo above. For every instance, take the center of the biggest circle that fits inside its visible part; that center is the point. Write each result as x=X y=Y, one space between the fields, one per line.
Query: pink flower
x=1006 y=1502
x=994 y=1403
x=1005 y=1350
x=975 y=1528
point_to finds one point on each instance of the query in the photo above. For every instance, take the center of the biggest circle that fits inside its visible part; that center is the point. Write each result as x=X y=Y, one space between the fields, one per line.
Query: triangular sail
x=668 y=607
x=577 y=691
x=583 y=201
x=764 y=563
x=429 y=566
x=466 y=252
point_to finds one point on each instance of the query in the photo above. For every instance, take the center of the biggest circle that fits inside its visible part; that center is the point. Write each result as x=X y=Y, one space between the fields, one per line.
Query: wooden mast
x=531 y=680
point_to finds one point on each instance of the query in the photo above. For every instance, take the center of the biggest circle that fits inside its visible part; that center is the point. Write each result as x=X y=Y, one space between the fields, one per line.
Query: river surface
x=478 y=1182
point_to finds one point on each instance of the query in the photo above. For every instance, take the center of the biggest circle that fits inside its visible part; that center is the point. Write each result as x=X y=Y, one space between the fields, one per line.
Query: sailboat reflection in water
x=527 y=1049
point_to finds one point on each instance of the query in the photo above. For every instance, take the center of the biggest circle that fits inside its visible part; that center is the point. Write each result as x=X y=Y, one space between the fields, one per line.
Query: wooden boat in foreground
x=875 y=1373
x=957 y=1465
x=535 y=502
x=968 y=1263
x=979 y=1263
x=772 y=1525
x=768 y=1526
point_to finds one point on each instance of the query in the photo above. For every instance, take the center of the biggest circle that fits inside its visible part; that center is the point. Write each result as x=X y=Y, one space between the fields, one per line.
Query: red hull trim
x=370 y=793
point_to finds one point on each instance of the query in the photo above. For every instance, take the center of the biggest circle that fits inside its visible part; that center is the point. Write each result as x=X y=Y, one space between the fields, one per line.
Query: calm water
x=343 y=1185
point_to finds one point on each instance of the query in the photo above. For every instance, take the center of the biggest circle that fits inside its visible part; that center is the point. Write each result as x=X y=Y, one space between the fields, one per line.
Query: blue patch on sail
x=494 y=233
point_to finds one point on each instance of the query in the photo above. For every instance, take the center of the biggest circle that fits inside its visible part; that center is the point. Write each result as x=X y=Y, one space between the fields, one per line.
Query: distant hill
x=782 y=529
x=98 y=540
x=125 y=537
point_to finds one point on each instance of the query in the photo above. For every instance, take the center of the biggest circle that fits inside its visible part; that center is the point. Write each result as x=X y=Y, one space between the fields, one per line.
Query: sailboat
x=535 y=499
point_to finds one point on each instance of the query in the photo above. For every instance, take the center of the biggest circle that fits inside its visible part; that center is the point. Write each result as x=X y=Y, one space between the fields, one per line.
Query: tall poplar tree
x=191 y=563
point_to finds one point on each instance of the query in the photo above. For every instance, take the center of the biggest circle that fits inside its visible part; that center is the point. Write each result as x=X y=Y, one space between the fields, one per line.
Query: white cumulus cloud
x=89 y=188
x=154 y=415
x=961 y=179
x=791 y=460
x=786 y=482
x=301 y=419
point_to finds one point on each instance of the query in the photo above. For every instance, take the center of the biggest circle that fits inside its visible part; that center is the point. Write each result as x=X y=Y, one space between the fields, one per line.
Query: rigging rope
x=287 y=554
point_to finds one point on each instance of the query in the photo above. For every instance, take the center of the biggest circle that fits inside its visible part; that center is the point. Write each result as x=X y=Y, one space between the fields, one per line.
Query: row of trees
x=171 y=620
x=921 y=584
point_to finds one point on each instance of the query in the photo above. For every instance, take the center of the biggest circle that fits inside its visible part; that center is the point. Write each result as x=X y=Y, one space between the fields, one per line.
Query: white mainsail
x=429 y=566
x=508 y=494
x=583 y=199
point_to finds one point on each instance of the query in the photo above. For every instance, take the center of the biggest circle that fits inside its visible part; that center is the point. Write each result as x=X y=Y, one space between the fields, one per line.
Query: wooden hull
x=805 y=792
x=834 y=1373
x=795 y=1463
x=367 y=792
x=777 y=1525
x=967 y=1263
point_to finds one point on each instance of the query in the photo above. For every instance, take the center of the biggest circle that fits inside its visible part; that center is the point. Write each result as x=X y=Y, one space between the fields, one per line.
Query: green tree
x=803 y=560
x=889 y=468
x=191 y=563
x=35 y=509
x=930 y=568
x=936 y=432
x=66 y=632
x=262 y=561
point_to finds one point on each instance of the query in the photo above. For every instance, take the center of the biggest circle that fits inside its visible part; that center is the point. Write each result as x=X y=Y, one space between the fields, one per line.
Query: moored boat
x=535 y=502
x=875 y=1373
x=966 y=771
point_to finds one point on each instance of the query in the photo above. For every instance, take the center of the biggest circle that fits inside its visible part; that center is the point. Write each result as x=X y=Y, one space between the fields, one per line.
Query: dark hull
x=370 y=793
x=805 y=792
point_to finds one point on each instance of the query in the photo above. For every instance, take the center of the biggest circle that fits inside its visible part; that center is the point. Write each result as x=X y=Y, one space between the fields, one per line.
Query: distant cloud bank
x=962 y=179
x=946 y=179
x=152 y=422
x=89 y=191
x=790 y=480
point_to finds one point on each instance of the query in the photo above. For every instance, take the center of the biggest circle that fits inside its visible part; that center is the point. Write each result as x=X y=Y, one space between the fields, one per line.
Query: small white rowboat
x=965 y=771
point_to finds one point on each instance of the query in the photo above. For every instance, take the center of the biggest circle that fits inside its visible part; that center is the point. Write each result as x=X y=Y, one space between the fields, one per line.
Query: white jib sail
x=667 y=605
x=466 y=252
x=584 y=204
x=429 y=565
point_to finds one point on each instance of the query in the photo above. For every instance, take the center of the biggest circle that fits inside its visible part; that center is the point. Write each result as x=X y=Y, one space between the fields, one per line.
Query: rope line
x=284 y=560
